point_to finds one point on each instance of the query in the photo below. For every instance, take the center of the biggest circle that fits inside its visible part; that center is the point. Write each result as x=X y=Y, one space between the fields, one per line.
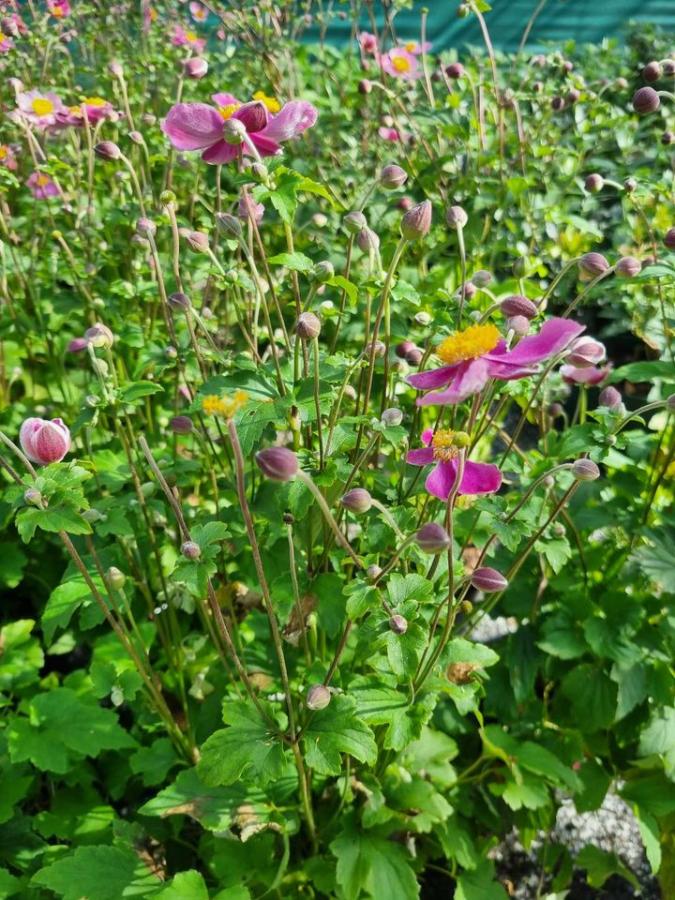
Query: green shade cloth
x=558 y=21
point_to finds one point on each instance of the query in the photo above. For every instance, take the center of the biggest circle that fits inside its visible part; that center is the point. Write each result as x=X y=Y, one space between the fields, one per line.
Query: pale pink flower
x=42 y=186
x=368 y=43
x=399 y=63
x=198 y=12
x=39 y=107
x=43 y=441
x=183 y=38
x=58 y=8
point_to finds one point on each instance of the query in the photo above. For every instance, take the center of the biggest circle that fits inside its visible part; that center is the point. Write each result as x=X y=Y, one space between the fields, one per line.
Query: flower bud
x=611 y=398
x=652 y=71
x=515 y=305
x=44 y=441
x=398 y=624
x=107 y=150
x=308 y=326
x=323 y=271
x=318 y=697
x=628 y=267
x=669 y=239
x=195 y=67
x=556 y=410
x=181 y=425
x=423 y=318
x=234 y=131
x=594 y=183
x=585 y=470
x=77 y=345
x=488 y=580
x=432 y=538
x=392 y=177
x=354 y=222
x=229 y=225
x=367 y=240
x=416 y=223
x=414 y=356
x=468 y=289
x=178 y=300
x=377 y=348
x=572 y=96
x=365 y=86
x=32 y=497
x=593 y=263
x=115 y=68
x=481 y=278
x=136 y=137
x=405 y=203
x=116 y=579
x=198 y=241
x=358 y=500
x=629 y=185
x=456 y=217
x=585 y=352
x=99 y=335
x=557 y=104
x=373 y=572
x=454 y=70
x=646 y=100
x=190 y=550
x=668 y=66
x=519 y=325
x=392 y=417
x=403 y=348
x=277 y=463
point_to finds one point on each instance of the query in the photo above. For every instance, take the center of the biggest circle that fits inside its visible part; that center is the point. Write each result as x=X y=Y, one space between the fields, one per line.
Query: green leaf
x=403 y=650
x=361 y=598
x=592 y=695
x=153 y=763
x=480 y=884
x=52 y=519
x=659 y=737
x=246 y=749
x=599 y=865
x=334 y=730
x=297 y=262
x=137 y=390
x=366 y=862
x=656 y=561
x=409 y=587
x=9 y=885
x=21 y=656
x=100 y=872
x=644 y=371
x=188 y=885
x=651 y=838
x=63 y=601
x=12 y=564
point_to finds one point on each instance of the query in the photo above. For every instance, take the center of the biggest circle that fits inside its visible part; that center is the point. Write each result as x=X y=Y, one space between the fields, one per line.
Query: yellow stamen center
x=271 y=103
x=41 y=106
x=94 y=101
x=447 y=444
x=227 y=111
x=42 y=180
x=401 y=63
x=75 y=110
x=3 y=151
x=471 y=343
x=410 y=46
x=191 y=36
x=213 y=405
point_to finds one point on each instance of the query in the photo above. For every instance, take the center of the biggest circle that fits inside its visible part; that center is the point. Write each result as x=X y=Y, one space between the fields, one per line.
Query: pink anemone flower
x=183 y=38
x=58 y=8
x=588 y=375
x=416 y=48
x=443 y=448
x=393 y=135
x=399 y=63
x=368 y=42
x=7 y=157
x=43 y=441
x=6 y=44
x=41 y=186
x=198 y=12
x=39 y=107
x=478 y=353
x=198 y=126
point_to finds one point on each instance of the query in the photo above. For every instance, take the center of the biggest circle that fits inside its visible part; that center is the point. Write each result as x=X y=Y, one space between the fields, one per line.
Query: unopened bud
x=456 y=217
x=100 y=336
x=481 y=278
x=611 y=398
x=181 y=425
x=308 y=326
x=669 y=239
x=358 y=500
x=519 y=325
x=373 y=572
x=198 y=241
x=646 y=100
x=432 y=538
x=108 y=150
x=195 y=67
x=594 y=183
x=629 y=185
x=354 y=222
x=115 y=578
x=277 y=463
x=229 y=225
x=234 y=131
x=392 y=177
x=398 y=624
x=392 y=417
x=585 y=470
x=454 y=70
x=518 y=306
x=414 y=356
x=323 y=271
x=32 y=497
x=178 y=300
x=423 y=318
x=190 y=550
x=628 y=267
x=488 y=580
x=318 y=697
x=367 y=240
x=416 y=223
x=652 y=71
x=593 y=263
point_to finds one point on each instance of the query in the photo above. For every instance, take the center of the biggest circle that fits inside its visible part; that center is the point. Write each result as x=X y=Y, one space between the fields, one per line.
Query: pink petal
x=422 y=457
x=293 y=118
x=193 y=126
x=588 y=375
x=470 y=378
x=221 y=153
x=440 y=481
x=253 y=115
x=264 y=145
x=427 y=436
x=432 y=378
x=554 y=336
x=26 y=436
x=224 y=99
x=51 y=442
x=480 y=478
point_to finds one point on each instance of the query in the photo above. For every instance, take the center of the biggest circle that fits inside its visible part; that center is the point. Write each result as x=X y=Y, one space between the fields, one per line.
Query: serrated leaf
x=297 y=262
x=100 y=872
x=335 y=730
x=380 y=867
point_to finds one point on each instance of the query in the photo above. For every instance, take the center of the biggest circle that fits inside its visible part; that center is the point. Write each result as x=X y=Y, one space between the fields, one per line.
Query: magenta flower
x=198 y=12
x=443 y=447
x=183 y=38
x=393 y=135
x=42 y=187
x=399 y=63
x=368 y=43
x=415 y=48
x=479 y=353
x=589 y=375
x=39 y=107
x=198 y=126
x=58 y=8
x=6 y=44
x=94 y=109
x=43 y=441
x=7 y=157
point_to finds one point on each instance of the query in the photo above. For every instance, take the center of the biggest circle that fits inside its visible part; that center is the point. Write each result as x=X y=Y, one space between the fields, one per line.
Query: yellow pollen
x=190 y=36
x=199 y=14
x=41 y=106
x=213 y=405
x=153 y=14
x=42 y=180
x=410 y=46
x=447 y=444
x=227 y=111
x=471 y=343
x=75 y=110
x=271 y=103
x=94 y=101
x=3 y=151
x=400 y=63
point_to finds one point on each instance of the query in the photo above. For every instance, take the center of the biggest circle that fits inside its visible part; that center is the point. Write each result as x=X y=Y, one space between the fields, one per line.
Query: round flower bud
x=181 y=425
x=178 y=300
x=454 y=70
x=572 y=96
x=365 y=86
x=456 y=217
x=515 y=305
x=481 y=278
x=669 y=239
x=585 y=470
x=308 y=326
x=463 y=10
x=323 y=271
x=594 y=183
x=423 y=318
x=198 y=241
x=585 y=352
x=432 y=538
x=556 y=410
x=646 y=100
x=190 y=550
x=557 y=104
x=403 y=348
x=195 y=67
x=377 y=348
x=611 y=398
x=468 y=289
x=234 y=131
x=319 y=220
x=32 y=497
x=652 y=71
x=519 y=325
x=392 y=177
x=593 y=263
x=392 y=417
x=668 y=138
x=229 y=224
x=488 y=580
x=277 y=463
x=398 y=624
x=354 y=222
x=358 y=500
x=146 y=227
x=99 y=335
x=668 y=66
x=629 y=185
x=367 y=240
x=77 y=345
x=373 y=572
x=628 y=267
x=115 y=68
x=414 y=357
x=107 y=150
x=416 y=223
x=318 y=697
x=115 y=578
x=405 y=203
